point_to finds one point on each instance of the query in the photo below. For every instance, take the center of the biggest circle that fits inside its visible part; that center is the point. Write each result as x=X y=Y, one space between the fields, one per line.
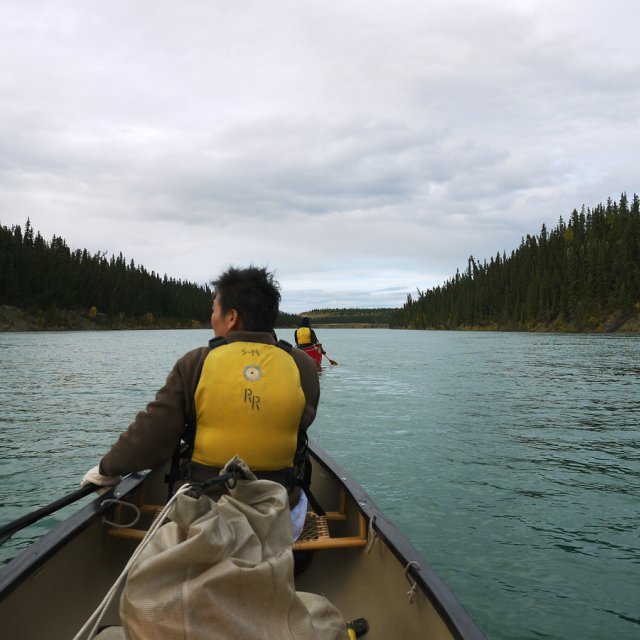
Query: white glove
x=93 y=476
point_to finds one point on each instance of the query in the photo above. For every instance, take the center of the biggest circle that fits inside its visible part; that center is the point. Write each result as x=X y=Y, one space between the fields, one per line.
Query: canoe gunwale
x=37 y=553
x=453 y=613
x=449 y=608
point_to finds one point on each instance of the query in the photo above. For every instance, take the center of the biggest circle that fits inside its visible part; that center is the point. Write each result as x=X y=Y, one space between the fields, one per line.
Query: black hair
x=253 y=292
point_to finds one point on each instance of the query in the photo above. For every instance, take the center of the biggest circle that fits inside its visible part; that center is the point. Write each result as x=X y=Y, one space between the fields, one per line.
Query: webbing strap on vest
x=219 y=341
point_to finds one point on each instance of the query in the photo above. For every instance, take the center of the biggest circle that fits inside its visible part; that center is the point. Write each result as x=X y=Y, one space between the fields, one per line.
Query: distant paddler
x=307 y=340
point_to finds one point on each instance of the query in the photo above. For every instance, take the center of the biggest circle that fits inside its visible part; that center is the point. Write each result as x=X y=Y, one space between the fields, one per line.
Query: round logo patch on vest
x=252 y=373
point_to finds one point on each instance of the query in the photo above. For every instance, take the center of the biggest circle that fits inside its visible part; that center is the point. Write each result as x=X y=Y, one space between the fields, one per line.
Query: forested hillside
x=583 y=275
x=45 y=278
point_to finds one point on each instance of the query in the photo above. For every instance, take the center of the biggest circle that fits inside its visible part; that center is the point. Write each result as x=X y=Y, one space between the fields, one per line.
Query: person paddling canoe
x=307 y=341
x=245 y=394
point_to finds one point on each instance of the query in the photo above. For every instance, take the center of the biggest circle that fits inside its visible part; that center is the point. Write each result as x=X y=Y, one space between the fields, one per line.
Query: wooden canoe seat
x=315 y=533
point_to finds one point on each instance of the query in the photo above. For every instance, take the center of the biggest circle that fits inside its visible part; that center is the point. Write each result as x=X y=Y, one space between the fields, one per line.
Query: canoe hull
x=314 y=353
x=52 y=588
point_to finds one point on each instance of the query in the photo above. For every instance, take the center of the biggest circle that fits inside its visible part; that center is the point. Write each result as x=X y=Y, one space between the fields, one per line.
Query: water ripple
x=512 y=461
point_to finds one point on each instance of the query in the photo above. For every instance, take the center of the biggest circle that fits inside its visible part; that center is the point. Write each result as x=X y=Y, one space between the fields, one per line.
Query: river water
x=510 y=460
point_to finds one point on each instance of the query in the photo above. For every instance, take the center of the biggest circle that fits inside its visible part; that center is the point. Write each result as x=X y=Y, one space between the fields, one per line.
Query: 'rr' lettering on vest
x=252 y=398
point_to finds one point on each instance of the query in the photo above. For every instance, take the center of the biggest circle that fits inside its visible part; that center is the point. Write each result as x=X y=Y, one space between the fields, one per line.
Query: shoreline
x=16 y=320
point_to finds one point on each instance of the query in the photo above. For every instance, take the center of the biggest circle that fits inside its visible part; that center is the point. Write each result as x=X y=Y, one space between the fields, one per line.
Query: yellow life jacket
x=303 y=335
x=249 y=402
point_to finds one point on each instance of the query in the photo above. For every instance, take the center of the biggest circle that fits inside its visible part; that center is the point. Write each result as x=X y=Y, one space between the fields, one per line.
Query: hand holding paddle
x=93 y=476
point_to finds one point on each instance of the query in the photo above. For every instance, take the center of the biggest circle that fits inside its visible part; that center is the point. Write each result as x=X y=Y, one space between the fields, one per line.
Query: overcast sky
x=361 y=149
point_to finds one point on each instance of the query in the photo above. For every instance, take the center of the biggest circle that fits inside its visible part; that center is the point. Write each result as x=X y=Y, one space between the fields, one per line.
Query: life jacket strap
x=284 y=345
x=218 y=341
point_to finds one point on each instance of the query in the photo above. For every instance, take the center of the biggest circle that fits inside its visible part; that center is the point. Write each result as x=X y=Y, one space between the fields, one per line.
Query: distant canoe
x=314 y=352
x=361 y=563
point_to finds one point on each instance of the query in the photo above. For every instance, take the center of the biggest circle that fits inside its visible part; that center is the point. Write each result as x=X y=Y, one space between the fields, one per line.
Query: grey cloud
x=299 y=301
x=362 y=142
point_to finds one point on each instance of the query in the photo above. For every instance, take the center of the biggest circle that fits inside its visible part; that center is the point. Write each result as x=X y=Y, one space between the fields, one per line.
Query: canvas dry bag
x=225 y=570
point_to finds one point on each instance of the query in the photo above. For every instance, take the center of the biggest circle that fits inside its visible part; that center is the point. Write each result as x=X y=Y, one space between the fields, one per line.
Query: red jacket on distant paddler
x=307 y=341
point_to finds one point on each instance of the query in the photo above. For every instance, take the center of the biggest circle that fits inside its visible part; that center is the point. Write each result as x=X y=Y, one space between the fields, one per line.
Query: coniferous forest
x=583 y=275
x=47 y=277
x=354 y=317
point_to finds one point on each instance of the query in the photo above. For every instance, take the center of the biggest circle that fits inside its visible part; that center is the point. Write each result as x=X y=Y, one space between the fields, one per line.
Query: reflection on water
x=512 y=461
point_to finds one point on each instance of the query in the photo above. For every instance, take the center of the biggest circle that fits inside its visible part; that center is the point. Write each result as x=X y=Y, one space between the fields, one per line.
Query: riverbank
x=615 y=323
x=15 y=319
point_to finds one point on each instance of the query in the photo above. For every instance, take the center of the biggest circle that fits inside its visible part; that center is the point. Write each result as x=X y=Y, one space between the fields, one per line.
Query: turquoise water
x=511 y=461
